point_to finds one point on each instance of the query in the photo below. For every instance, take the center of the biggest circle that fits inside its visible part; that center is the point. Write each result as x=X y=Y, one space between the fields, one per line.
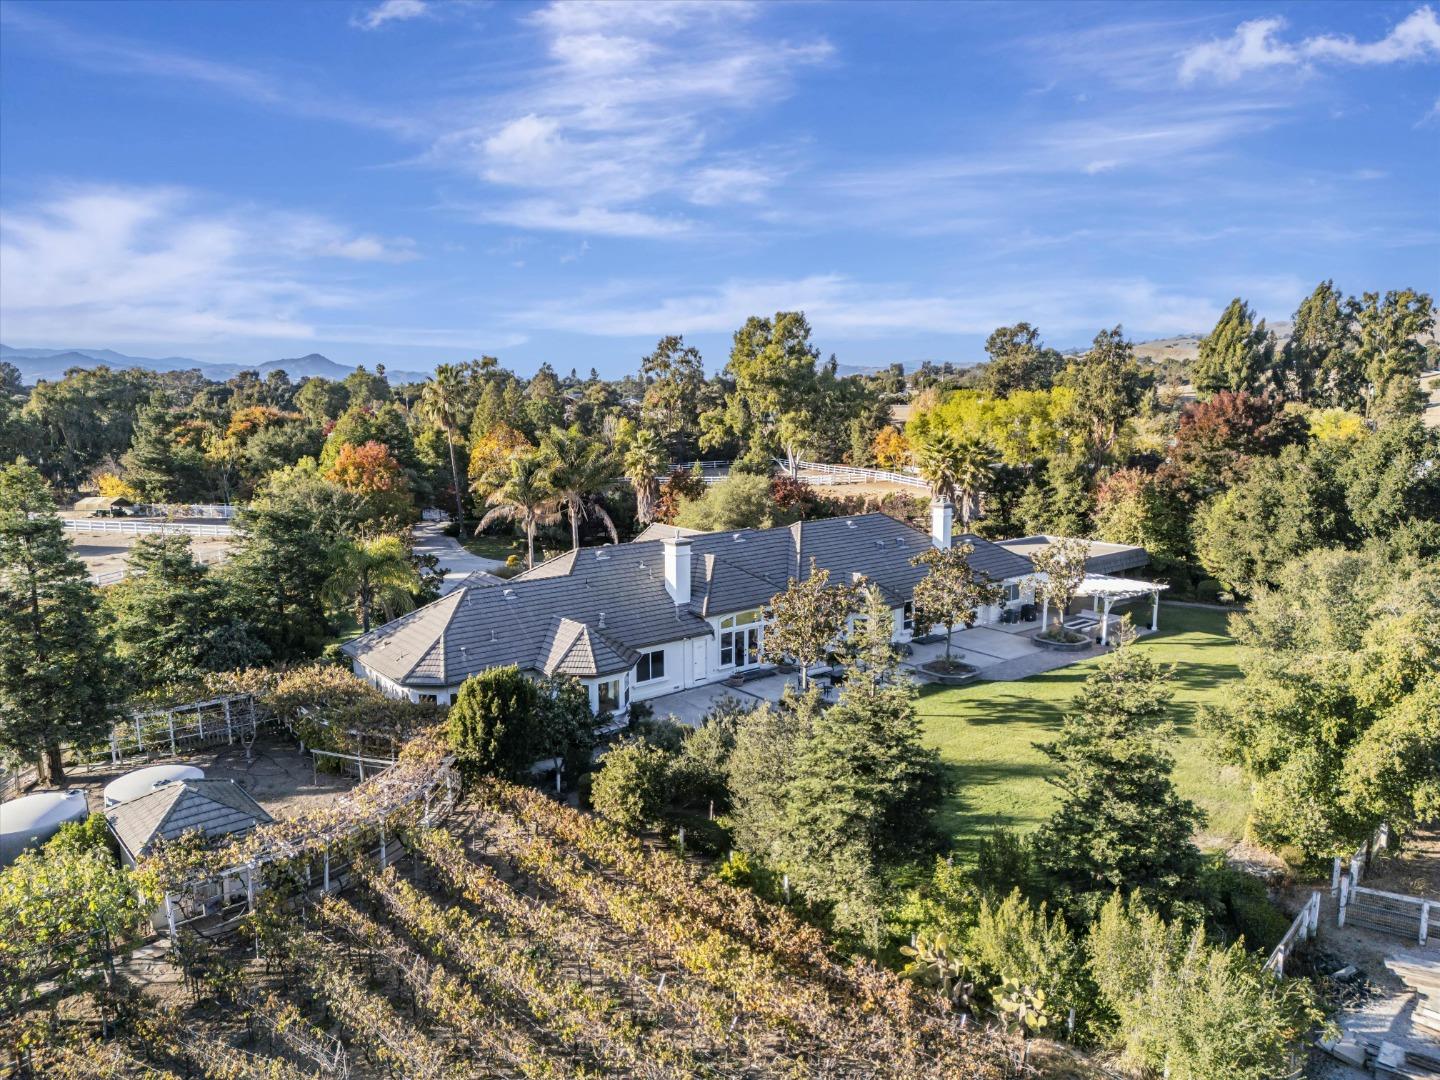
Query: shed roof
x=214 y=807
x=103 y=502
x=1101 y=557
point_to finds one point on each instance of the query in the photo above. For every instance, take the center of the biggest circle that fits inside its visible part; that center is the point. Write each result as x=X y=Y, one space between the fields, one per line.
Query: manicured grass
x=986 y=734
x=494 y=547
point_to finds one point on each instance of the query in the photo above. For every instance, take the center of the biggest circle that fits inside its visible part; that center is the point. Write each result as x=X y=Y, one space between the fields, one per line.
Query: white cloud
x=618 y=133
x=125 y=264
x=391 y=11
x=1252 y=47
x=1255 y=46
x=840 y=305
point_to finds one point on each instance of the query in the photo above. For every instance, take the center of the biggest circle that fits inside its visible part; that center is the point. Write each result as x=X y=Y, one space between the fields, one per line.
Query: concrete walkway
x=458 y=564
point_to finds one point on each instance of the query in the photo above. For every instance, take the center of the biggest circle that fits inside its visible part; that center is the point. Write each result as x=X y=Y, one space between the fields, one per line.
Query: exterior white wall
x=677 y=670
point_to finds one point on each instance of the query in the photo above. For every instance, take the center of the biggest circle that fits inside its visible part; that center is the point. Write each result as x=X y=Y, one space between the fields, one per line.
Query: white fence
x=848 y=474
x=224 y=511
x=1302 y=928
x=140 y=527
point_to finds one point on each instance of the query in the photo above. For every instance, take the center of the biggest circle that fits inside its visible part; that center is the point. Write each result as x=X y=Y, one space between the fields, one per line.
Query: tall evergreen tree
x=1019 y=362
x=58 y=683
x=1120 y=824
x=1389 y=340
x=1109 y=387
x=1319 y=359
x=1239 y=354
x=862 y=800
x=173 y=618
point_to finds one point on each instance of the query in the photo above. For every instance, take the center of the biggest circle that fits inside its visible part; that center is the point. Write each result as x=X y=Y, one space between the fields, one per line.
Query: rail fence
x=819 y=473
x=140 y=527
x=1302 y=929
x=196 y=723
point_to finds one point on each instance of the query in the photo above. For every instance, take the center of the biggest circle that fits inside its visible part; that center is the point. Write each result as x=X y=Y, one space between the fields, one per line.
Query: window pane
x=657 y=665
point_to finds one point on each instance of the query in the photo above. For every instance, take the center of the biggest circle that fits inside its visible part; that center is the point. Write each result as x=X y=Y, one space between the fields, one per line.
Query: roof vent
x=738 y=538
x=899 y=541
x=509 y=594
x=879 y=543
x=850 y=523
x=492 y=638
x=602 y=554
x=602 y=620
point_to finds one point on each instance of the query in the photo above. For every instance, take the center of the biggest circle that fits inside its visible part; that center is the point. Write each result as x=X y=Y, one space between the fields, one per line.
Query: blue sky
x=412 y=182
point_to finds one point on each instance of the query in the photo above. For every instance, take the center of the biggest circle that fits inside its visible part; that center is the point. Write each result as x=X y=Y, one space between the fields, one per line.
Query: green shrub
x=633 y=786
x=1208 y=591
x=492 y=727
x=1191 y=1010
x=1017 y=942
x=1239 y=906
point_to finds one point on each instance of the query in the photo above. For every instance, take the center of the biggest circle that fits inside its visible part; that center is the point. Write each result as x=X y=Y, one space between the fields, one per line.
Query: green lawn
x=986 y=734
x=488 y=546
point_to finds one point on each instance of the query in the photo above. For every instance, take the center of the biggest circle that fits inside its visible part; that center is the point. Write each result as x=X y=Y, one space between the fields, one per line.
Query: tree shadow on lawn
x=964 y=819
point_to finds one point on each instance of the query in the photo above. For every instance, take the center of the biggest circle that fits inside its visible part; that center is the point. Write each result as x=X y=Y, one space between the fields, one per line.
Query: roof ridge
x=457 y=596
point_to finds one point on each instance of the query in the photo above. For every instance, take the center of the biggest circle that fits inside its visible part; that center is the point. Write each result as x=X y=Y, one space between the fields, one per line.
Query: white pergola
x=1106 y=591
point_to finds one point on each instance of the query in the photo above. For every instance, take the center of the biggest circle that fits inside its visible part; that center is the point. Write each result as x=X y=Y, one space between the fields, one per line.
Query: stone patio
x=999 y=653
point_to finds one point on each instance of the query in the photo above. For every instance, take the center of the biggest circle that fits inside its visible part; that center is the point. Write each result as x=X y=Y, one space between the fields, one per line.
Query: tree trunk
x=53 y=765
x=529 y=543
x=455 y=479
x=574 y=524
x=949 y=629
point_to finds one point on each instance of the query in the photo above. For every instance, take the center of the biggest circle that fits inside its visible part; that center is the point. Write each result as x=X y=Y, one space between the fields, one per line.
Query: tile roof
x=215 y=807
x=1100 y=558
x=588 y=612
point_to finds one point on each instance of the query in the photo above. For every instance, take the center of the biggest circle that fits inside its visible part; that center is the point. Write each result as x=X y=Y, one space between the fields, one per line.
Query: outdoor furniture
x=750 y=674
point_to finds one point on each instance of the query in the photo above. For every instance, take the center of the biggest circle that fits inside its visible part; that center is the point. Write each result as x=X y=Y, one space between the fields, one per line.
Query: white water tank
x=143 y=781
x=30 y=821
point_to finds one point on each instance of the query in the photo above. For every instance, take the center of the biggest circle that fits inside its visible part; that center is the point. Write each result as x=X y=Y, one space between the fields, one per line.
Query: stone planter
x=949 y=678
x=1063 y=646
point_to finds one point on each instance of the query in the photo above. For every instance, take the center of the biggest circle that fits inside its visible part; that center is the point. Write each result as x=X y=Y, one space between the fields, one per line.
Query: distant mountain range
x=36 y=364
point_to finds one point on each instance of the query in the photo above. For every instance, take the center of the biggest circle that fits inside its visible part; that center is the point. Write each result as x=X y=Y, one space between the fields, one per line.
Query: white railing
x=1302 y=928
x=850 y=474
x=144 y=528
x=225 y=511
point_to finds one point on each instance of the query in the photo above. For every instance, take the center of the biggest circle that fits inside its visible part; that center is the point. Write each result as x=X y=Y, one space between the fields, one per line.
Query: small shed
x=30 y=821
x=104 y=504
x=215 y=808
x=143 y=781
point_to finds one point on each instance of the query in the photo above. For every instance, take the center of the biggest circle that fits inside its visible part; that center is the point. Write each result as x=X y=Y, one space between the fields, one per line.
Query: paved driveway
x=458 y=564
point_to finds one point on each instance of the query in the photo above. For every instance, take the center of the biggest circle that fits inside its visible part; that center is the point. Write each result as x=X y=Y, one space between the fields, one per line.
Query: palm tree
x=937 y=460
x=973 y=474
x=374 y=574
x=442 y=402
x=521 y=492
x=644 y=459
x=580 y=468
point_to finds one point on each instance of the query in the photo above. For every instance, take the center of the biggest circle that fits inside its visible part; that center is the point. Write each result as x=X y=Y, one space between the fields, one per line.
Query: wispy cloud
x=837 y=304
x=1255 y=45
x=109 y=263
x=111 y=54
x=624 y=117
x=390 y=11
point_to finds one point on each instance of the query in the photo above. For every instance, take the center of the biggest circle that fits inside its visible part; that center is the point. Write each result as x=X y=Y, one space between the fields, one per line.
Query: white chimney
x=942 y=523
x=677 y=568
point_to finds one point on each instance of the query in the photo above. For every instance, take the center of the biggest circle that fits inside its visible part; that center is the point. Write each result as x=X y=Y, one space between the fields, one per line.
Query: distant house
x=667 y=612
x=215 y=808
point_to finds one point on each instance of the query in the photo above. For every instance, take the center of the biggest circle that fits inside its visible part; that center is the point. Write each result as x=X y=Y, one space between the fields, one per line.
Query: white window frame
x=647 y=663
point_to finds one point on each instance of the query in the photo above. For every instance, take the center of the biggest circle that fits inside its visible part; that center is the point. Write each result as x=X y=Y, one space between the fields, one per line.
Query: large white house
x=666 y=612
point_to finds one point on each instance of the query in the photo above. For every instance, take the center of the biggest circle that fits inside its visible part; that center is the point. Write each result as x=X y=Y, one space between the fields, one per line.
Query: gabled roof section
x=214 y=807
x=576 y=649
